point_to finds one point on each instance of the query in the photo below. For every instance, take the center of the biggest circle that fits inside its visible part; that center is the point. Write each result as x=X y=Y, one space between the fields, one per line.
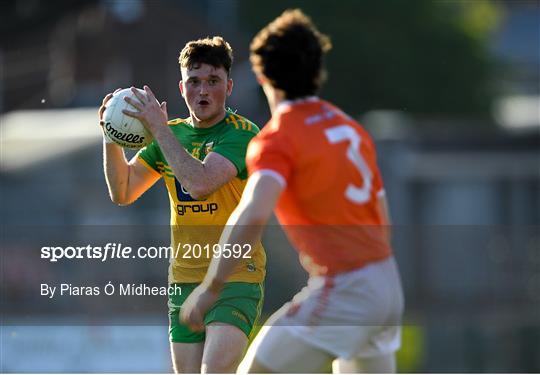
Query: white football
x=122 y=129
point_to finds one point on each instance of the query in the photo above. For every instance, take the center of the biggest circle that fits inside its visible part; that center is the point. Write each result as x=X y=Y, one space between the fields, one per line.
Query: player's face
x=205 y=89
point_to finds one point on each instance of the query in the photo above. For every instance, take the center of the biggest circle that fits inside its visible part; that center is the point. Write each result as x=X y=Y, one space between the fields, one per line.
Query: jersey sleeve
x=271 y=151
x=233 y=146
x=150 y=156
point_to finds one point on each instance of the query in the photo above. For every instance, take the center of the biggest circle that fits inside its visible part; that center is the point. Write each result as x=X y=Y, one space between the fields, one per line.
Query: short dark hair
x=213 y=51
x=289 y=52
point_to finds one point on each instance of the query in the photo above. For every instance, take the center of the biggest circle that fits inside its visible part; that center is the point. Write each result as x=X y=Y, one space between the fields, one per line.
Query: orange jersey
x=329 y=207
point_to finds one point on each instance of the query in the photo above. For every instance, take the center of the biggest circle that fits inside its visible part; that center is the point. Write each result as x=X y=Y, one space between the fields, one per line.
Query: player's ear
x=230 y=85
x=181 y=87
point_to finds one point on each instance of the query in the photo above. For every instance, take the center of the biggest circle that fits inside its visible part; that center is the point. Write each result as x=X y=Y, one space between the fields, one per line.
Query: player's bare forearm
x=244 y=227
x=201 y=299
x=126 y=181
x=190 y=171
x=245 y=224
x=116 y=170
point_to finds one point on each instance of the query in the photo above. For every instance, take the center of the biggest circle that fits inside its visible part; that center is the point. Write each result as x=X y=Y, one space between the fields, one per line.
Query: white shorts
x=355 y=314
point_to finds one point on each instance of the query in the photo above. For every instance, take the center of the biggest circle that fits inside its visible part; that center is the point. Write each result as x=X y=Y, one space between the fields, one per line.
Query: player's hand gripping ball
x=122 y=129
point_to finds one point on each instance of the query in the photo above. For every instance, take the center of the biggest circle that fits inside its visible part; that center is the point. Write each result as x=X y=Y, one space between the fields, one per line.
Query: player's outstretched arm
x=200 y=179
x=244 y=226
x=246 y=223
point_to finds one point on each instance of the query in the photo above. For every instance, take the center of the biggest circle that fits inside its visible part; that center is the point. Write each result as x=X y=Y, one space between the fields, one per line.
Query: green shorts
x=239 y=305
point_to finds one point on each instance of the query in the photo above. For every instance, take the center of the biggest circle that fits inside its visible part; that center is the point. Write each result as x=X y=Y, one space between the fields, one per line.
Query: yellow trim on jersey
x=148 y=166
x=230 y=119
x=176 y=121
x=238 y=121
x=164 y=169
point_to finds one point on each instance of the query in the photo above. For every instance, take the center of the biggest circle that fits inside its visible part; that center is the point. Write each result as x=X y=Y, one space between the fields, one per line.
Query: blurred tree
x=420 y=56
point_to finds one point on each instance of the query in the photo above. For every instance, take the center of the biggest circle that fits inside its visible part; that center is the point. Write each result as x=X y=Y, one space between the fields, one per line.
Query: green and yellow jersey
x=196 y=225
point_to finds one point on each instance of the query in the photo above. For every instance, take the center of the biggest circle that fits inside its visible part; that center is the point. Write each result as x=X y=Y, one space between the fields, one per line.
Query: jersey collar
x=285 y=104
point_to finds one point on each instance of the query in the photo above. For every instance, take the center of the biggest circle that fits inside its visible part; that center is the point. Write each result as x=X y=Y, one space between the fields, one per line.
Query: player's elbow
x=197 y=195
x=199 y=192
x=120 y=199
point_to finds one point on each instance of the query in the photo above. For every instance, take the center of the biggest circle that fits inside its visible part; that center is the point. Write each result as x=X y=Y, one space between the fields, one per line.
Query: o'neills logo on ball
x=126 y=137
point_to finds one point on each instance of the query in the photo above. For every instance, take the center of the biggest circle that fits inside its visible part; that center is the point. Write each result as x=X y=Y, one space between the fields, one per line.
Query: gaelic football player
x=202 y=162
x=317 y=168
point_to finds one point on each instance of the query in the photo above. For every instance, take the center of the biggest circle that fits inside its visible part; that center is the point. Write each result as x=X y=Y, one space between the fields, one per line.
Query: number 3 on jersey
x=342 y=133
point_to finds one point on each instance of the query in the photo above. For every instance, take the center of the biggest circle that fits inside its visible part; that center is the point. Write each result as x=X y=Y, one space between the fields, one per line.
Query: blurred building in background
x=449 y=90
